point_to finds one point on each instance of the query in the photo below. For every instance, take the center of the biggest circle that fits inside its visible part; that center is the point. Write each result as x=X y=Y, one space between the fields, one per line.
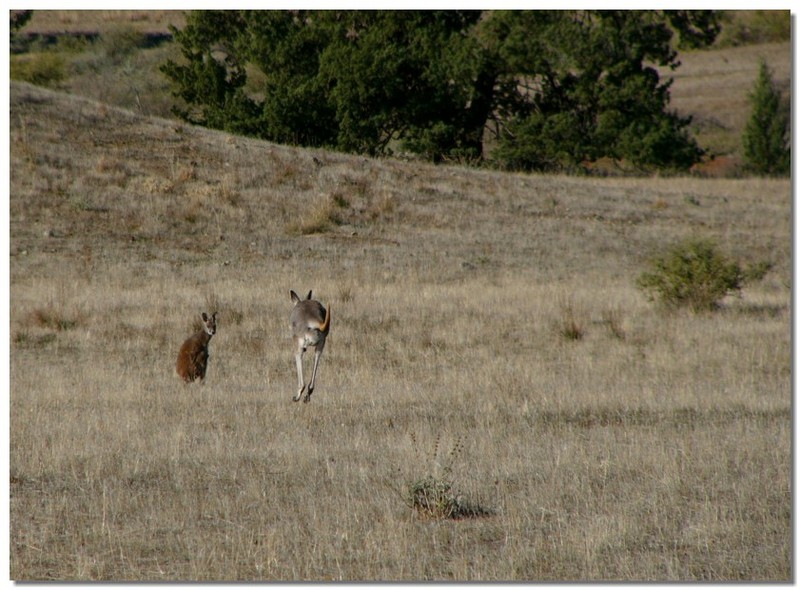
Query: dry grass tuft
x=614 y=321
x=437 y=499
x=320 y=217
x=572 y=324
x=56 y=319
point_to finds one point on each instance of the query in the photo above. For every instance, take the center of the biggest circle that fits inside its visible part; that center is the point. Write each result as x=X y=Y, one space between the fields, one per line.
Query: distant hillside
x=118 y=179
x=103 y=21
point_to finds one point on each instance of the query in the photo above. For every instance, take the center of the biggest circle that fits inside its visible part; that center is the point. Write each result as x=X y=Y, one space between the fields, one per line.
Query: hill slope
x=488 y=351
x=105 y=179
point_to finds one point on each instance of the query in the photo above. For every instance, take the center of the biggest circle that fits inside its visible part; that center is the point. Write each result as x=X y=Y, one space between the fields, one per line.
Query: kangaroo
x=310 y=324
x=193 y=356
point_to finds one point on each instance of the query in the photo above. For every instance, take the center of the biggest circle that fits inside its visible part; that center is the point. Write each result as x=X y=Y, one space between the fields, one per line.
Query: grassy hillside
x=103 y=21
x=488 y=348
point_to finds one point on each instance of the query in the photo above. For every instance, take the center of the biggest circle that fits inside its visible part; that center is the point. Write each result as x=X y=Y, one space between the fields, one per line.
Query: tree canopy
x=531 y=90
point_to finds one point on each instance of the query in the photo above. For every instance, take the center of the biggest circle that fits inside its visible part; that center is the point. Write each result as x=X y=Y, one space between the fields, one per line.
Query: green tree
x=402 y=76
x=593 y=92
x=554 y=87
x=766 y=135
x=286 y=47
x=356 y=81
x=211 y=81
x=19 y=18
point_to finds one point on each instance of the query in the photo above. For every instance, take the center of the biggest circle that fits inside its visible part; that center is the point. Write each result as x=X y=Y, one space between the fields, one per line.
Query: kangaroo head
x=209 y=323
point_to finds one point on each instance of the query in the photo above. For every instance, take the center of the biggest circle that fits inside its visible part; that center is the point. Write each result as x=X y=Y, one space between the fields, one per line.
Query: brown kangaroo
x=193 y=356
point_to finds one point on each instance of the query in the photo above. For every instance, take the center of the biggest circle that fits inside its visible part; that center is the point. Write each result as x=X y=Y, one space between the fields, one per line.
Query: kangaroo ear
x=295 y=298
x=204 y=316
x=309 y=295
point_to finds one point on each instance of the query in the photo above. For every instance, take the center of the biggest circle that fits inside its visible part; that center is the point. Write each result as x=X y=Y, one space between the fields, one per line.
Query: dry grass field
x=488 y=342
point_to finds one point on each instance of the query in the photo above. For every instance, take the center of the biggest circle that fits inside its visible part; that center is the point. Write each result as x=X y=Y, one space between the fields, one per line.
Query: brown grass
x=654 y=447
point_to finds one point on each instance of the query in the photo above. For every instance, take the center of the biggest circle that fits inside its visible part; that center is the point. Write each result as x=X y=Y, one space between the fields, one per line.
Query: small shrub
x=340 y=200
x=26 y=340
x=692 y=200
x=120 y=43
x=435 y=496
x=436 y=499
x=72 y=44
x=749 y=27
x=612 y=318
x=321 y=217
x=19 y=18
x=694 y=274
x=43 y=69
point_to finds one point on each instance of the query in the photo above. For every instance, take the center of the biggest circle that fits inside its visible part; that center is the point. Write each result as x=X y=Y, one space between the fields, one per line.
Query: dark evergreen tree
x=402 y=76
x=592 y=91
x=766 y=135
x=19 y=18
x=211 y=81
x=555 y=88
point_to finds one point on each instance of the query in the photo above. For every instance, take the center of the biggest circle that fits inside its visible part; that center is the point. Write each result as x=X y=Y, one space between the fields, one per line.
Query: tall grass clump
x=692 y=274
x=572 y=326
x=435 y=495
x=55 y=319
x=320 y=217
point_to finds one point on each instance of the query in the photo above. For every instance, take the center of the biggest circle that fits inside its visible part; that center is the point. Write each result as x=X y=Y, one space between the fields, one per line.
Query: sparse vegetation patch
x=435 y=496
x=43 y=69
x=55 y=319
x=323 y=215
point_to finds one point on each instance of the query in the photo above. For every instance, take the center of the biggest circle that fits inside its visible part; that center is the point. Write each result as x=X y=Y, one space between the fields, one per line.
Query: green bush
x=43 y=69
x=120 y=43
x=694 y=274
